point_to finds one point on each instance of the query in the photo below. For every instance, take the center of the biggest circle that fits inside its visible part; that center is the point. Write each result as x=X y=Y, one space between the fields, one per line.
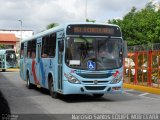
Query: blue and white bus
x=7 y=59
x=78 y=58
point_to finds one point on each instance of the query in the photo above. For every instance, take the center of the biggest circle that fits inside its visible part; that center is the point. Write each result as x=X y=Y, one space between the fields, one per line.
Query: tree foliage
x=89 y=20
x=140 y=27
x=2 y=46
x=52 y=25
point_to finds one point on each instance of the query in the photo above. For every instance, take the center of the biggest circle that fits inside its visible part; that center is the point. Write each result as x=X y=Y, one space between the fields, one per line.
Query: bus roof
x=63 y=26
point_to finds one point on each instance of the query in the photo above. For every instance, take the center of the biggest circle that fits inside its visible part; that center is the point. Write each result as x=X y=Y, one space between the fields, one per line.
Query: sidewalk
x=12 y=70
x=142 y=88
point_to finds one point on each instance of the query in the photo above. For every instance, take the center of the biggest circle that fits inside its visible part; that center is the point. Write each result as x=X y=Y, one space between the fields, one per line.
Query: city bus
x=7 y=59
x=76 y=58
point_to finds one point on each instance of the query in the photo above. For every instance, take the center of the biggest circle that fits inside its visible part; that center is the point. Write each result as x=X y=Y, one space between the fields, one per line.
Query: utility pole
x=20 y=31
x=20 y=36
x=86 y=10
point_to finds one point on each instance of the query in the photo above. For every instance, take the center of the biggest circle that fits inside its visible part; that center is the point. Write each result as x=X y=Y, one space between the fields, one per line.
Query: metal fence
x=142 y=66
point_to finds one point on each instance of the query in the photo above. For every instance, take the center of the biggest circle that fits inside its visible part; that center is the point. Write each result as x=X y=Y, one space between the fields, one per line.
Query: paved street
x=38 y=101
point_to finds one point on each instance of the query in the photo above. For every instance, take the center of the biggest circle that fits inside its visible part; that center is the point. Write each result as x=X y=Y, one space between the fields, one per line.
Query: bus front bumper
x=69 y=88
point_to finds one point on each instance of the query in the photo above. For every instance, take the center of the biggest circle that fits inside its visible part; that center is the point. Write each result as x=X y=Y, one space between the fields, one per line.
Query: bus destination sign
x=94 y=30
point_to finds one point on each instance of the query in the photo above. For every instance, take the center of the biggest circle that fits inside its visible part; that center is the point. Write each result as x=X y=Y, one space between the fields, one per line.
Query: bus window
x=22 y=50
x=28 y=54
x=45 y=48
x=33 y=55
x=61 y=45
x=39 y=52
x=48 y=46
x=100 y=50
x=31 y=47
x=52 y=45
x=10 y=56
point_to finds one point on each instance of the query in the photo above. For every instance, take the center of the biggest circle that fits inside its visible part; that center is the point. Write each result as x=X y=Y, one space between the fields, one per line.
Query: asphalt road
x=38 y=101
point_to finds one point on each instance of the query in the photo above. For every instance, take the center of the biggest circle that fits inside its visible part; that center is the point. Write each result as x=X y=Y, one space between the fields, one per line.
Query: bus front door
x=37 y=71
x=23 y=62
x=60 y=63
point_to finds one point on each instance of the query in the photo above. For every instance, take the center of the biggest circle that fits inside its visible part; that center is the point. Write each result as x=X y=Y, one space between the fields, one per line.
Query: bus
x=76 y=58
x=7 y=59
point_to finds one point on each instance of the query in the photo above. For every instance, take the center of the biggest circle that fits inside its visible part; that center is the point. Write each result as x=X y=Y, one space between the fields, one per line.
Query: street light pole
x=20 y=31
x=86 y=10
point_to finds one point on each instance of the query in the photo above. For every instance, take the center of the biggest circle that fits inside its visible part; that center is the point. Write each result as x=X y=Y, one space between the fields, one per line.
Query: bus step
x=38 y=86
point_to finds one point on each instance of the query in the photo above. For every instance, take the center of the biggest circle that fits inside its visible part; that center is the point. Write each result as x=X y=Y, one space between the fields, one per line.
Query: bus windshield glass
x=10 y=56
x=105 y=53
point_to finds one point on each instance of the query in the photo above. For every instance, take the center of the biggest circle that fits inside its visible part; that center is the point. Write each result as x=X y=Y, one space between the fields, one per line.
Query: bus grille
x=95 y=75
x=92 y=82
x=95 y=87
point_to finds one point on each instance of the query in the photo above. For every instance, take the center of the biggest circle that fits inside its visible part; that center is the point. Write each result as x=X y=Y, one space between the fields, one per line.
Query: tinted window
x=49 y=45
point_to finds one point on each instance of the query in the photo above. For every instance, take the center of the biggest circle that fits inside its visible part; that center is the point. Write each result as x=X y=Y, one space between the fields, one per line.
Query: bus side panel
x=2 y=61
x=23 y=59
x=29 y=68
x=23 y=69
x=46 y=67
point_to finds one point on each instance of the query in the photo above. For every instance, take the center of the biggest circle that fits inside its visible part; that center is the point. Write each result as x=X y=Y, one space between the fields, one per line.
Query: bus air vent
x=95 y=75
x=95 y=87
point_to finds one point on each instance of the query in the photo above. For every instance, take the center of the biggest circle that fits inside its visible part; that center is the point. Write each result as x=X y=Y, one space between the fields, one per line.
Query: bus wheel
x=98 y=95
x=51 y=88
x=29 y=85
x=3 y=70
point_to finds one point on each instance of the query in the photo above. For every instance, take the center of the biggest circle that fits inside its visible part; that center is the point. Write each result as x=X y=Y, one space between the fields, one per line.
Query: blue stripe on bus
x=42 y=72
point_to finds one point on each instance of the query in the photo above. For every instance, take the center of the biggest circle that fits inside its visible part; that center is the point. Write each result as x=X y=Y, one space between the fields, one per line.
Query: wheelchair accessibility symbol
x=91 y=65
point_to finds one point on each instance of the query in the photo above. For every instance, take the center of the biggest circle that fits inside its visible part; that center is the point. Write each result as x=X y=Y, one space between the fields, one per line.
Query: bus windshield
x=10 y=57
x=106 y=53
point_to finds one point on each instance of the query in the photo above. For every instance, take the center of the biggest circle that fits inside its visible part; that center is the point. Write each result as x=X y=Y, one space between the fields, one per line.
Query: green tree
x=140 y=27
x=89 y=20
x=52 y=25
x=2 y=46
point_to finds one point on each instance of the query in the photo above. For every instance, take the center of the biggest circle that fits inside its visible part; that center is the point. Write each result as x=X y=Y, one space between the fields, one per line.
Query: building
x=19 y=33
x=11 y=38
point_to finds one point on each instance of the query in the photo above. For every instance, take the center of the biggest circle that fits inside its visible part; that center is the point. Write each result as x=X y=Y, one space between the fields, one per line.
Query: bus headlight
x=116 y=80
x=73 y=79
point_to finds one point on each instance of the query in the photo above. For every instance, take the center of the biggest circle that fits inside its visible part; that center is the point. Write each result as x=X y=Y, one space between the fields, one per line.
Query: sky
x=37 y=14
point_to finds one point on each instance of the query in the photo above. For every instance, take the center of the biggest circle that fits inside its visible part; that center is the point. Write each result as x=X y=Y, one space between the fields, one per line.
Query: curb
x=142 y=88
x=13 y=69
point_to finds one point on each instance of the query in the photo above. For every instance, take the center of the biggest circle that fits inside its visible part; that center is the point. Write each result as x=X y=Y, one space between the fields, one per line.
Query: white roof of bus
x=61 y=27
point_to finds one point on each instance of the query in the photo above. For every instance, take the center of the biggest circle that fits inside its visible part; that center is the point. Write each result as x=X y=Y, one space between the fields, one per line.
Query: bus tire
x=29 y=85
x=98 y=95
x=51 y=88
x=3 y=70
